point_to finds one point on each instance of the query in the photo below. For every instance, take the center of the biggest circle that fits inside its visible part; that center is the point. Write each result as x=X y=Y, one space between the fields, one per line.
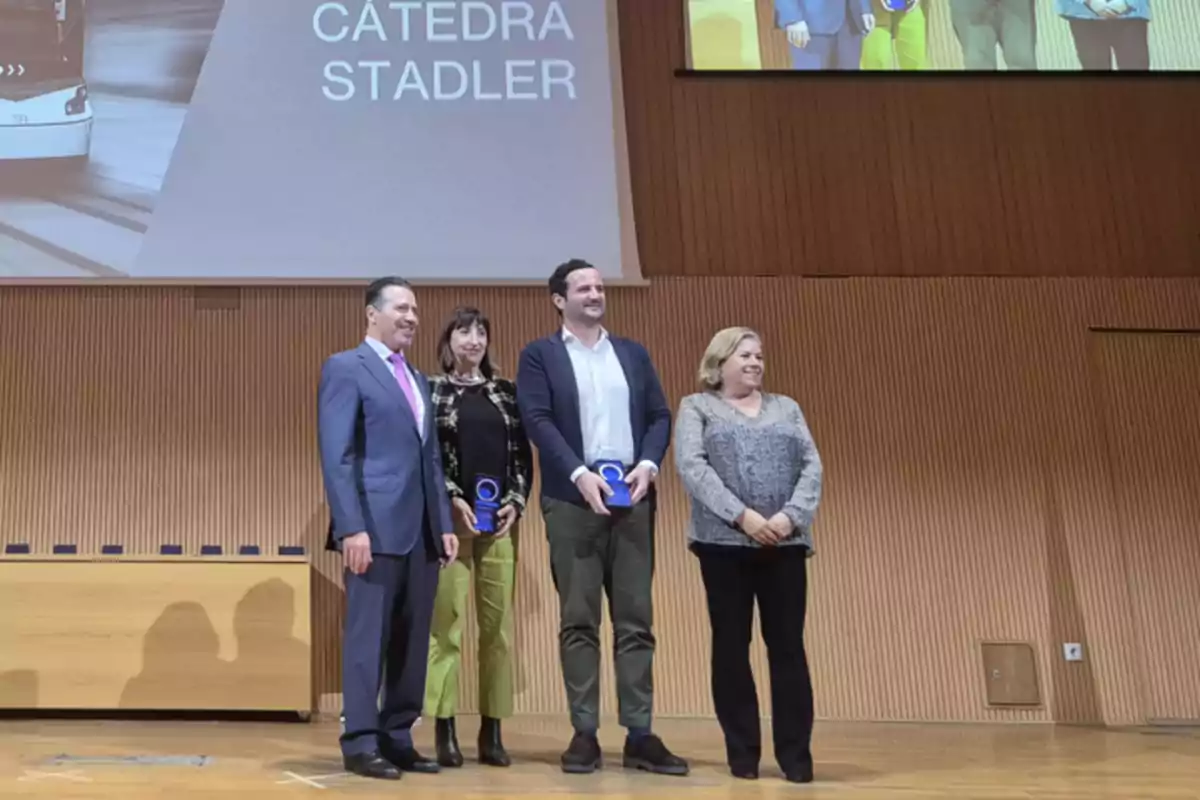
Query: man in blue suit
x=825 y=34
x=592 y=403
x=390 y=519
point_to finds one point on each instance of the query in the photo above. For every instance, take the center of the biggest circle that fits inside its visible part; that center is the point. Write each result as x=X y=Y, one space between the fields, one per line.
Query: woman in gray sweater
x=752 y=470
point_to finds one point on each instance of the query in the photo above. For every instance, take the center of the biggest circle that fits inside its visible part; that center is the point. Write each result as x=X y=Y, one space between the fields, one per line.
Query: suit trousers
x=490 y=564
x=385 y=645
x=839 y=51
x=734 y=577
x=980 y=25
x=591 y=554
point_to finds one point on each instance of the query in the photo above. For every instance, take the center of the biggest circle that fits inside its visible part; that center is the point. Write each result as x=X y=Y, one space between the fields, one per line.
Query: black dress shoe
x=582 y=755
x=491 y=749
x=371 y=765
x=448 y=754
x=650 y=754
x=407 y=759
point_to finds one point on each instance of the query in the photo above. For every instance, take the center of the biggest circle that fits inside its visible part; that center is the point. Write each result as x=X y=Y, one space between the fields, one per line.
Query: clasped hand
x=767 y=532
x=594 y=488
x=1108 y=9
x=506 y=516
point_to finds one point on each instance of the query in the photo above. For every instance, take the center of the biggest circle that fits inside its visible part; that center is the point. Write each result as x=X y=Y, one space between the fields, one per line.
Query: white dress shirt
x=603 y=403
x=385 y=353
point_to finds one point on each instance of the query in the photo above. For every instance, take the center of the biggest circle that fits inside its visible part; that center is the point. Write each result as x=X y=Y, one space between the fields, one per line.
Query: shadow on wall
x=182 y=668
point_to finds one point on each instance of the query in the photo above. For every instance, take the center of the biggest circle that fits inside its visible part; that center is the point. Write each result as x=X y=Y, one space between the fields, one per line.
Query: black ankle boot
x=491 y=749
x=448 y=754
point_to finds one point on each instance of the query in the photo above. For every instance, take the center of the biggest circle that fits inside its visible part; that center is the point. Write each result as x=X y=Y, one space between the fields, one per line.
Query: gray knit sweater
x=729 y=461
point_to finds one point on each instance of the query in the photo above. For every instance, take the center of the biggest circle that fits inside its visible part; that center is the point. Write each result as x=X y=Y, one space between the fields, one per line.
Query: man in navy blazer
x=592 y=403
x=390 y=519
x=825 y=34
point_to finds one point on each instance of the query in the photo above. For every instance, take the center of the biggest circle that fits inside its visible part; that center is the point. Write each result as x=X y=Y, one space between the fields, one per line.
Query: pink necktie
x=401 y=374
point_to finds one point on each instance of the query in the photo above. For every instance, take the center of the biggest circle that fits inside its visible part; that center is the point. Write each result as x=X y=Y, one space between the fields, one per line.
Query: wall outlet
x=1073 y=651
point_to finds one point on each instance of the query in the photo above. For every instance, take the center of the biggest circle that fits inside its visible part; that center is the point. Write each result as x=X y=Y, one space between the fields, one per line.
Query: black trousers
x=734 y=577
x=1097 y=41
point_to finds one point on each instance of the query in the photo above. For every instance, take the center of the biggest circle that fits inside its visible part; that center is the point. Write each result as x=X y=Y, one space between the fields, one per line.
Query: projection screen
x=978 y=36
x=283 y=140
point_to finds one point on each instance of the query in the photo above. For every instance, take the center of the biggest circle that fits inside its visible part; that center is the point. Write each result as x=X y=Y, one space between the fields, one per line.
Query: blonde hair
x=723 y=345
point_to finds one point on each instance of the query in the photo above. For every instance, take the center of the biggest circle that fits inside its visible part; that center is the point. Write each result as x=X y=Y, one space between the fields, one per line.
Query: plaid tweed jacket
x=503 y=395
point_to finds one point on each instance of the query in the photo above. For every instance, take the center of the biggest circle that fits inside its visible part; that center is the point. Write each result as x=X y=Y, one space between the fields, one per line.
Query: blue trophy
x=487 y=503
x=899 y=6
x=613 y=473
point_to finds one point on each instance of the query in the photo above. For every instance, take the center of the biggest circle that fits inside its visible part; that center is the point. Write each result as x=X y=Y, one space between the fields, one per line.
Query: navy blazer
x=380 y=476
x=549 y=403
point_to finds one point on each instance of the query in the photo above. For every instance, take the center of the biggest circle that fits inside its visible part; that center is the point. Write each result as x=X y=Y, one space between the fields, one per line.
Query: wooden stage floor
x=131 y=760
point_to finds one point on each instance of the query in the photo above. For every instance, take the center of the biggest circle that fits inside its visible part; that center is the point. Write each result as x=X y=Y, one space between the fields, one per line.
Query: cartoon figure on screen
x=899 y=38
x=825 y=34
x=982 y=25
x=1108 y=29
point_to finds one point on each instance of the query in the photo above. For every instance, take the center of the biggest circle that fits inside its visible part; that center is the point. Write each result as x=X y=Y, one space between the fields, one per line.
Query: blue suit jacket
x=380 y=477
x=824 y=17
x=549 y=404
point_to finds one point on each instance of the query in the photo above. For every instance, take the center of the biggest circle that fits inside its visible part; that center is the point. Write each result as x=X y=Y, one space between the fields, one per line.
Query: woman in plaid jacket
x=483 y=446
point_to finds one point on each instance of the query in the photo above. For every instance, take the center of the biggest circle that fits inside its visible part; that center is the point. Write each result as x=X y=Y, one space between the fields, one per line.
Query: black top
x=482 y=440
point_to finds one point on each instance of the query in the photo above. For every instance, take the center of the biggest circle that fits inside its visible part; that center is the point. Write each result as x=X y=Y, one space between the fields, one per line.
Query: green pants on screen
x=490 y=564
x=898 y=40
x=982 y=25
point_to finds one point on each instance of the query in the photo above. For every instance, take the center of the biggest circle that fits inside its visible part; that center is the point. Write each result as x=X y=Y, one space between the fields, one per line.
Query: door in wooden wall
x=1150 y=389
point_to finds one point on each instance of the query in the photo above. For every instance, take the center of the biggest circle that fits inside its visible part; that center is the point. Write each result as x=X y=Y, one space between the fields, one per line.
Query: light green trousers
x=899 y=40
x=490 y=564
